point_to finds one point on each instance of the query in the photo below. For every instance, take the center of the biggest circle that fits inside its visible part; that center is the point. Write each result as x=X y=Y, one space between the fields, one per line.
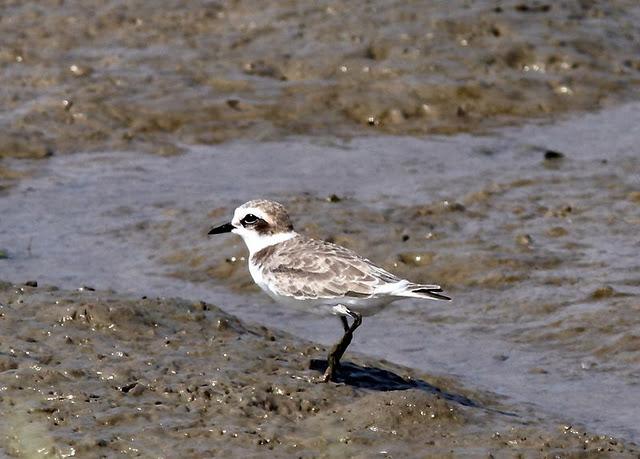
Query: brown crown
x=278 y=220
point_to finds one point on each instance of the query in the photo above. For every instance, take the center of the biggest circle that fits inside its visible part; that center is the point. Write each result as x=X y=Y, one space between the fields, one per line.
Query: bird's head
x=260 y=223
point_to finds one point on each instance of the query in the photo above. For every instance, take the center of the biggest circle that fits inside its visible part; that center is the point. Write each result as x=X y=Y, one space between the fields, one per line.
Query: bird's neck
x=256 y=243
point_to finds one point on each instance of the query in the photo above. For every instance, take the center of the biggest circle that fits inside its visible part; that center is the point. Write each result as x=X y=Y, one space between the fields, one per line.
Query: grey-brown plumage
x=306 y=268
x=316 y=276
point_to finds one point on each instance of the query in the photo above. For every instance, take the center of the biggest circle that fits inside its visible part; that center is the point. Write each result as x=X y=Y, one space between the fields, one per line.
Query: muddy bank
x=95 y=75
x=538 y=249
x=100 y=374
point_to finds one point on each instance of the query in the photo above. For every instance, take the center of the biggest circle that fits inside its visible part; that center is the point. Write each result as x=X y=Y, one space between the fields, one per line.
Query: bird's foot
x=321 y=380
x=328 y=375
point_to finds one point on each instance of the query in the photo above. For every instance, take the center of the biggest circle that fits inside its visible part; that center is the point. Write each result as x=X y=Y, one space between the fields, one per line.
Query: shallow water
x=540 y=255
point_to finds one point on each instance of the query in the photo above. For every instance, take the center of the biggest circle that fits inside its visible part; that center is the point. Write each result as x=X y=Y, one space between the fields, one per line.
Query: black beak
x=226 y=228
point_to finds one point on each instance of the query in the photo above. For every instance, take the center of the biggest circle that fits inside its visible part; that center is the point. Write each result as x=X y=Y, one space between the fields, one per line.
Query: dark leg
x=345 y=323
x=333 y=360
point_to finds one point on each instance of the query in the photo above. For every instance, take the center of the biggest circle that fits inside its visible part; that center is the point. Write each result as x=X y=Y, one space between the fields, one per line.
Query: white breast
x=258 y=278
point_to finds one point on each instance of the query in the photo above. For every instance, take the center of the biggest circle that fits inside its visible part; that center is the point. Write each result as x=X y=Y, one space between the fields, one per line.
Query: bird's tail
x=432 y=292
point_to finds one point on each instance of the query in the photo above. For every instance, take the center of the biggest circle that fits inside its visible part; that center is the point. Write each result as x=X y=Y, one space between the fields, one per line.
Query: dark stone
x=551 y=155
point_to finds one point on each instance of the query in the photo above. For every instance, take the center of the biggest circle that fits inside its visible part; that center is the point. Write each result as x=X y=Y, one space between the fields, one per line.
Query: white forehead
x=241 y=211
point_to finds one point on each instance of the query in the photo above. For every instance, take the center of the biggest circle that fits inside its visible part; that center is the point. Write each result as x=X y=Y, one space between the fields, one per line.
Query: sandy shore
x=98 y=374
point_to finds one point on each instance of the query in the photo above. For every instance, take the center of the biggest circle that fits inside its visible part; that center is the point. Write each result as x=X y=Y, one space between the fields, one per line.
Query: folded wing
x=322 y=270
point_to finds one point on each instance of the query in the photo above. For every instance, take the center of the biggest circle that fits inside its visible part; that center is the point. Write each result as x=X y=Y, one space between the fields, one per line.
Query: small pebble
x=80 y=70
x=524 y=240
x=634 y=196
x=453 y=206
x=233 y=103
x=551 y=155
x=557 y=231
x=603 y=292
x=538 y=371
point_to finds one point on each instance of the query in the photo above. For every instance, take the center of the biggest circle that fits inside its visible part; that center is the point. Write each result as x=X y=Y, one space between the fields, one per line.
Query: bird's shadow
x=379 y=379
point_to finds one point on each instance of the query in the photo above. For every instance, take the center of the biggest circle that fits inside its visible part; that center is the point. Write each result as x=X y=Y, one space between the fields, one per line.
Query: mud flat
x=538 y=250
x=126 y=75
x=98 y=374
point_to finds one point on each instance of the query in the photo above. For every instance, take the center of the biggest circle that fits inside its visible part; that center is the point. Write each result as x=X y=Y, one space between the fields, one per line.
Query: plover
x=316 y=276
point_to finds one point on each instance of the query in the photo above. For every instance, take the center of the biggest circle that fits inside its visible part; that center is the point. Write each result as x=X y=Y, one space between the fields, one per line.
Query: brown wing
x=307 y=268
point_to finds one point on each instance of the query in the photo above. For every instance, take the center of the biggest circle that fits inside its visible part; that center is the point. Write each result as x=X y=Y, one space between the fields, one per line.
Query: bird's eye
x=249 y=219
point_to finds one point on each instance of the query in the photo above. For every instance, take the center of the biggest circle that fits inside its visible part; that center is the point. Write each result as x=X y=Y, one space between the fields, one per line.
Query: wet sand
x=96 y=75
x=97 y=374
x=537 y=250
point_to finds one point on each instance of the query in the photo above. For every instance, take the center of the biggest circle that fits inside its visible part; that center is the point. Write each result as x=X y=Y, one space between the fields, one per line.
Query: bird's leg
x=333 y=360
x=345 y=323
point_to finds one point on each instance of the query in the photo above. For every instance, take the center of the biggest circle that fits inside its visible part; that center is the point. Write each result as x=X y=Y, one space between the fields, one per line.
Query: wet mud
x=534 y=238
x=98 y=374
x=532 y=229
x=127 y=75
